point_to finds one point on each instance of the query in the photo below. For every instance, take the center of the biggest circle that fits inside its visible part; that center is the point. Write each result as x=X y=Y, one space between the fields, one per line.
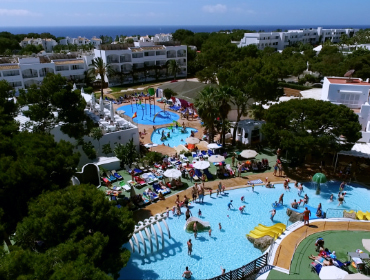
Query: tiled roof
x=77 y=61
x=9 y=67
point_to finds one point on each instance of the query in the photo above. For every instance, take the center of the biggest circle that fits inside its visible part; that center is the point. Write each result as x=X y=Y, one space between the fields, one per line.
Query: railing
x=245 y=271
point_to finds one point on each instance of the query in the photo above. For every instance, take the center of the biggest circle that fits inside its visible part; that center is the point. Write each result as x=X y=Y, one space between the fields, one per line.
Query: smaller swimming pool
x=173 y=137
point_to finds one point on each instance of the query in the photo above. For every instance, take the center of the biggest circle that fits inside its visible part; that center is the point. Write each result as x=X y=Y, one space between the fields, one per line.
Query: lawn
x=339 y=241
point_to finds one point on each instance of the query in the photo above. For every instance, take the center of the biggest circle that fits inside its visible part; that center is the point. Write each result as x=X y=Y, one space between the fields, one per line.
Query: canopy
x=358 y=150
x=201 y=165
x=214 y=146
x=111 y=111
x=356 y=276
x=192 y=140
x=248 y=154
x=132 y=191
x=216 y=158
x=202 y=146
x=172 y=173
x=332 y=272
x=319 y=178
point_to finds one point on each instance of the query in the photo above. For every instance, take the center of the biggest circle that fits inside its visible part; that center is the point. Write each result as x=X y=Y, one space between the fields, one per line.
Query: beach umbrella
x=74 y=87
x=82 y=90
x=202 y=146
x=319 y=178
x=214 y=146
x=101 y=102
x=192 y=140
x=172 y=173
x=216 y=158
x=248 y=154
x=332 y=272
x=75 y=181
x=201 y=165
x=111 y=111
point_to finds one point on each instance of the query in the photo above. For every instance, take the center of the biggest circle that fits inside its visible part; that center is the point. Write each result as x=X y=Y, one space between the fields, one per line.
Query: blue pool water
x=146 y=113
x=229 y=247
x=175 y=136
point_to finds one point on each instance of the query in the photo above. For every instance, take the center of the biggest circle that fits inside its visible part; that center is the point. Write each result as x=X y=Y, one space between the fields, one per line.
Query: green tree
x=168 y=93
x=96 y=133
x=223 y=96
x=126 y=153
x=70 y=225
x=305 y=126
x=54 y=103
x=106 y=149
x=89 y=150
x=102 y=69
x=208 y=109
x=173 y=68
x=32 y=163
x=182 y=34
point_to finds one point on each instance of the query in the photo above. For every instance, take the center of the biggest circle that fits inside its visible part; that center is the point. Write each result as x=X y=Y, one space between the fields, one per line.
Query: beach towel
x=258 y=181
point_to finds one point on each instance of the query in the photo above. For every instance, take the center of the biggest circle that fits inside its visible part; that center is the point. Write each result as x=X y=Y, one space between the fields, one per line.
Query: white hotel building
x=144 y=54
x=281 y=40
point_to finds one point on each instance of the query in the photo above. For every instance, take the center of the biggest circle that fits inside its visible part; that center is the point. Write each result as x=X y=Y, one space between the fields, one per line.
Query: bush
x=88 y=90
x=153 y=157
x=293 y=86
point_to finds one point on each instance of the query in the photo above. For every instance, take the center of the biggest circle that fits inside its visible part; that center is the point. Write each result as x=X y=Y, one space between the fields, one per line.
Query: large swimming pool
x=176 y=135
x=229 y=247
x=149 y=114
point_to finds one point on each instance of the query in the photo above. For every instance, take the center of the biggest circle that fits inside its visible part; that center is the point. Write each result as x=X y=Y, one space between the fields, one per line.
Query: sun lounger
x=111 y=177
x=128 y=169
x=208 y=174
x=106 y=181
x=316 y=267
x=150 y=195
x=141 y=166
x=115 y=174
x=140 y=181
x=133 y=183
x=157 y=188
x=125 y=186
x=184 y=158
x=210 y=153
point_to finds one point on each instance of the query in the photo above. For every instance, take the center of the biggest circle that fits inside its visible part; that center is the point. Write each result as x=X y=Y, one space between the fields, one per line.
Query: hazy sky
x=185 y=12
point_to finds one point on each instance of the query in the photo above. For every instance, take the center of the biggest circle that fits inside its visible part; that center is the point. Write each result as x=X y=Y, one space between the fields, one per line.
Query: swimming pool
x=228 y=248
x=176 y=135
x=149 y=114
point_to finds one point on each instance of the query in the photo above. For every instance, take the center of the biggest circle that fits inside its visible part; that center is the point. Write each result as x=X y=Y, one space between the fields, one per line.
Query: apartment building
x=31 y=70
x=281 y=40
x=47 y=43
x=139 y=61
x=79 y=41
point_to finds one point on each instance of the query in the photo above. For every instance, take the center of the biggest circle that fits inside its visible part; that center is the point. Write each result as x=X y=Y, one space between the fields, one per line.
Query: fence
x=247 y=271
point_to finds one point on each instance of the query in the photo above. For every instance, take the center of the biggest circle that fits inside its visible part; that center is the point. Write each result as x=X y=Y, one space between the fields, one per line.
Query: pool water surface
x=149 y=114
x=176 y=135
x=228 y=247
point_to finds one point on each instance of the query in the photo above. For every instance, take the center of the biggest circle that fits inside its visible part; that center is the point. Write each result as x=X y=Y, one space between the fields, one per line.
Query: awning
x=358 y=150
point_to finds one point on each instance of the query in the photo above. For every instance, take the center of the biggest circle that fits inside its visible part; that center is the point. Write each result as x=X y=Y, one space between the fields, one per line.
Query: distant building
x=80 y=41
x=32 y=70
x=47 y=43
x=281 y=40
x=354 y=93
x=248 y=131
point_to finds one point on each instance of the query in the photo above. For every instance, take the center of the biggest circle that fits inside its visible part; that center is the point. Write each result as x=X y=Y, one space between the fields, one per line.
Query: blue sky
x=185 y=12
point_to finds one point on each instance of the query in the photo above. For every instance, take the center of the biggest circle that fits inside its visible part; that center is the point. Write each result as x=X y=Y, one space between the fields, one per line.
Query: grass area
x=188 y=183
x=339 y=241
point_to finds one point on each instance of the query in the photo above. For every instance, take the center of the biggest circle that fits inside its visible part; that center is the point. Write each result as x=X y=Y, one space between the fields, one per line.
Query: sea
x=90 y=31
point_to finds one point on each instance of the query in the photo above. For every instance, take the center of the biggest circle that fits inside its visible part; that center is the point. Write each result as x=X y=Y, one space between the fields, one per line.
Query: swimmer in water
x=242 y=199
x=331 y=197
x=241 y=209
x=219 y=226
x=182 y=140
x=273 y=212
x=229 y=205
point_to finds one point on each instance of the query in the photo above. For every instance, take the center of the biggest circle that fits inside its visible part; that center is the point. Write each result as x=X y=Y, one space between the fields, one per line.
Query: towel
x=258 y=181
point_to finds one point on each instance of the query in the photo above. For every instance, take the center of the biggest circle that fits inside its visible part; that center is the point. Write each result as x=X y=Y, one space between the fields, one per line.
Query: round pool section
x=149 y=114
x=229 y=246
x=173 y=136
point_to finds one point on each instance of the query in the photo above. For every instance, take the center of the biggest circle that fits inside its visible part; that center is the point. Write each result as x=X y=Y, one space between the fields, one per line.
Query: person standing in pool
x=195 y=229
x=273 y=212
x=252 y=187
x=187 y=273
x=230 y=205
x=219 y=226
x=342 y=185
x=190 y=247
x=306 y=216
x=281 y=199
x=242 y=199
x=187 y=213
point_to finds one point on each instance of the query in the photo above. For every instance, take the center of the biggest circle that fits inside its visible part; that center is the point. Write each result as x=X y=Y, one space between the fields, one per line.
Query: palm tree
x=101 y=69
x=223 y=98
x=173 y=68
x=207 y=109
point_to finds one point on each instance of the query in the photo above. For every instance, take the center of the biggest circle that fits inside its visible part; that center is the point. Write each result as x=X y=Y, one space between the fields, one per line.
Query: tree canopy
x=75 y=229
x=54 y=103
x=305 y=126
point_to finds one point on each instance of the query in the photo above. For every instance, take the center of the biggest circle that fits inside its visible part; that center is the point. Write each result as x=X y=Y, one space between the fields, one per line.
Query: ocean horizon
x=90 y=31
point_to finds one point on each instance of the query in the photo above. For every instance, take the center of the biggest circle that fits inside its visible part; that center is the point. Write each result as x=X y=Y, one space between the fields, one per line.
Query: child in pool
x=199 y=213
x=242 y=199
x=219 y=226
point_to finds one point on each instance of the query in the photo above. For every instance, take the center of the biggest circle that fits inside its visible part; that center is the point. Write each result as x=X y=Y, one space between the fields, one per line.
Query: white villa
x=47 y=43
x=79 y=41
x=280 y=40
x=354 y=93
x=31 y=70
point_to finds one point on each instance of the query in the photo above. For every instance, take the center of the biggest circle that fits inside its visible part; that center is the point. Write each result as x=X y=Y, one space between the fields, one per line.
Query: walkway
x=286 y=249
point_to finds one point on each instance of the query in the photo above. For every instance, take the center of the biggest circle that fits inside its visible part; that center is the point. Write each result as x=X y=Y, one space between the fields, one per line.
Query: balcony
x=112 y=61
x=27 y=76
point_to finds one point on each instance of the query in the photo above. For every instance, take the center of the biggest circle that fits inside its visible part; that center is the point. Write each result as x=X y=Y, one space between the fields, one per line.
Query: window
x=246 y=135
x=349 y=98
x=16 y=84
